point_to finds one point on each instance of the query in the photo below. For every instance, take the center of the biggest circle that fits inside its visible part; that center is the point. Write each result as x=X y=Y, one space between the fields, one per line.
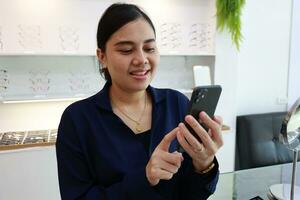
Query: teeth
x=139 y=73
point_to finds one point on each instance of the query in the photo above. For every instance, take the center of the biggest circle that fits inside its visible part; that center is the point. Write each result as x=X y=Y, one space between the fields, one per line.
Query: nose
x=140 y=58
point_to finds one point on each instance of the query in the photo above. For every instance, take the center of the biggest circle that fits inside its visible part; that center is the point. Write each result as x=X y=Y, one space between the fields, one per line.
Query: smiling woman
x=122 y=142
x=131 y=53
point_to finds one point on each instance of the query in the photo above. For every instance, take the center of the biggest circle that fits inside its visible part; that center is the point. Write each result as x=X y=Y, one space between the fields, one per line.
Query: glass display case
x=25 y=139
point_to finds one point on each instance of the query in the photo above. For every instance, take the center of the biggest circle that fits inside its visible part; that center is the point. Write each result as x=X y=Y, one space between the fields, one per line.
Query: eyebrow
x=131 y=43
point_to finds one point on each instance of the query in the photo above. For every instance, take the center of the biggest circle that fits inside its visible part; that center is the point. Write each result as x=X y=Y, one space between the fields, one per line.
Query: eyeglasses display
x=12 y=138
x=52 y=135
x=79 y=82
x=4 y=82
x=29 y=37
x=22 y=139
x=1 y=40
x=39 y=81
x=171 y=36
x=200 y=36
x=36 y=137
x=69 y=38
x=194 y=37
x=51 y=77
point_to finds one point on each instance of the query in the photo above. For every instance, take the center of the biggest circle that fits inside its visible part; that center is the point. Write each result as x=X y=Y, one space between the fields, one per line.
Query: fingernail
x=177 y=152
x=180 y=154
x=188 y=118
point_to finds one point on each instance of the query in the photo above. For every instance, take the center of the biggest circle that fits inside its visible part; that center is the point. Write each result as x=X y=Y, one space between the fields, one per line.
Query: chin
x=140 y=87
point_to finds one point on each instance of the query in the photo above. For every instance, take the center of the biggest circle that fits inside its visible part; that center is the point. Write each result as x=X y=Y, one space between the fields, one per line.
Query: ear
x=101 y=56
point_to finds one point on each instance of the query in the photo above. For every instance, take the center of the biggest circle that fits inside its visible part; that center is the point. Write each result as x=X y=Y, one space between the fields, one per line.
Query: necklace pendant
x=138 y=128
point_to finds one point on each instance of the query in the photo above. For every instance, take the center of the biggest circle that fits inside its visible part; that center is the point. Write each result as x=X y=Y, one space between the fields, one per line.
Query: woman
x=121 y=143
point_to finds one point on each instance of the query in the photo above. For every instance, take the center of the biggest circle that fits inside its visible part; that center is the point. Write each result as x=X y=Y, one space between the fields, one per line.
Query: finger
x=159 y=173
x=207 y=141
x=219 y=138
x=218 y=119
x=169 y=167
x=186 y=146
x=215 y=128
x=200 y=131
x=165 y=175
x=166 y=141
x=194 y=143
x=172 y=158
x=209 y=122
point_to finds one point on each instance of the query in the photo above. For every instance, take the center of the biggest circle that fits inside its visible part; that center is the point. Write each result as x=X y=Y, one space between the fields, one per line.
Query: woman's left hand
x=202 y=153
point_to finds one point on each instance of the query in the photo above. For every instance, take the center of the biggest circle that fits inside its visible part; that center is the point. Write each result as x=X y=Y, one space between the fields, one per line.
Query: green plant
x=229 y=17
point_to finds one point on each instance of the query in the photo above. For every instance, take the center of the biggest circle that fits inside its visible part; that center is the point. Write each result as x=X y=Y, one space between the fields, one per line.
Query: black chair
x=257 y=142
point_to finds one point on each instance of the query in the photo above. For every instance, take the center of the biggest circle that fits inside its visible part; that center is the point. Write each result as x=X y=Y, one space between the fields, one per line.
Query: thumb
x=166 y=141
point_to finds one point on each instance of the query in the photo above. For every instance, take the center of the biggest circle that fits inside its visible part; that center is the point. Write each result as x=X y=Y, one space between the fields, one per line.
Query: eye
x=125 y=51
x=150 y=50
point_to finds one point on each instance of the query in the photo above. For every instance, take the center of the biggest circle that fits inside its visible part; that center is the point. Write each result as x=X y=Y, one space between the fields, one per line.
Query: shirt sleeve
x=76 y=180
x=194 y=185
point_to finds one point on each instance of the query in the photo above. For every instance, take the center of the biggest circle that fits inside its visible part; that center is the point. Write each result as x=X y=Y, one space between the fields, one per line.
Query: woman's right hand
x=163 y=164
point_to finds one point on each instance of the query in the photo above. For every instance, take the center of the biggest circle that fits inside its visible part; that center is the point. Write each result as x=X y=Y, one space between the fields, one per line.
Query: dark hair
x=113 y=18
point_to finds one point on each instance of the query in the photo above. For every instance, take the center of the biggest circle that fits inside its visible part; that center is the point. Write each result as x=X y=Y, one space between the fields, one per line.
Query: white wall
x=264 y=56
x=226 y=76
x=255 y=79
x=294 y=70
x=29 y=174
x=31 y=116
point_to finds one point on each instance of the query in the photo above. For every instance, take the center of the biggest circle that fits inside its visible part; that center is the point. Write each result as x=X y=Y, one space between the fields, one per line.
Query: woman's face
x=131 y=56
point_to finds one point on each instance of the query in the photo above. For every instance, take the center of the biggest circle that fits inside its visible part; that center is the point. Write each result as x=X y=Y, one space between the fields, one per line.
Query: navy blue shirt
x=99 y=157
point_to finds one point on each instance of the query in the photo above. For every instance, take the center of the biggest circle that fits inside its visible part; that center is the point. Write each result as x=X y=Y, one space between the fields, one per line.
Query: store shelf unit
x=54 y=57
x=37 y=78
x=27 y=139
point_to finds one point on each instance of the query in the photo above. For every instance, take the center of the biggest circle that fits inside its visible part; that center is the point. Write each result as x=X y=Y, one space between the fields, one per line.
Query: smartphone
x=204 y=98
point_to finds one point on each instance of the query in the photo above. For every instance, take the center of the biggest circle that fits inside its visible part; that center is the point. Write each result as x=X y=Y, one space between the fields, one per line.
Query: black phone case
x=204 y=98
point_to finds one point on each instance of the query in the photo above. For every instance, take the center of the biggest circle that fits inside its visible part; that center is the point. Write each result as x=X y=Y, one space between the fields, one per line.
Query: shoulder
x=170 y=100
x=170 y=95
x=81 y=106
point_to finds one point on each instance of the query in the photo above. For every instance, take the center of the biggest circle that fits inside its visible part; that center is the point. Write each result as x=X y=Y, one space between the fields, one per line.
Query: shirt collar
x=102 y=98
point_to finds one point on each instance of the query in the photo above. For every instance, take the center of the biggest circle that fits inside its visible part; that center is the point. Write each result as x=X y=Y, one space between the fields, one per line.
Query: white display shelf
x=69 y=33
x=185 y=91
x=42 y=98
x=186 y=54
x=15 y=141
x=35 y=53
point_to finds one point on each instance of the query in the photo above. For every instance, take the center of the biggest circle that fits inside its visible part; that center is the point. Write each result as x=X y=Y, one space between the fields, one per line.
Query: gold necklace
x=138 y=126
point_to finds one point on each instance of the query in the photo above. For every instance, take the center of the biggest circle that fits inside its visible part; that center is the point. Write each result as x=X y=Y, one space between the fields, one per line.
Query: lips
x=139 y=74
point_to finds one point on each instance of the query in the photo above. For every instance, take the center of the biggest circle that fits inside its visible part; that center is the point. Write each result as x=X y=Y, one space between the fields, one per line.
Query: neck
x=122 y=97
